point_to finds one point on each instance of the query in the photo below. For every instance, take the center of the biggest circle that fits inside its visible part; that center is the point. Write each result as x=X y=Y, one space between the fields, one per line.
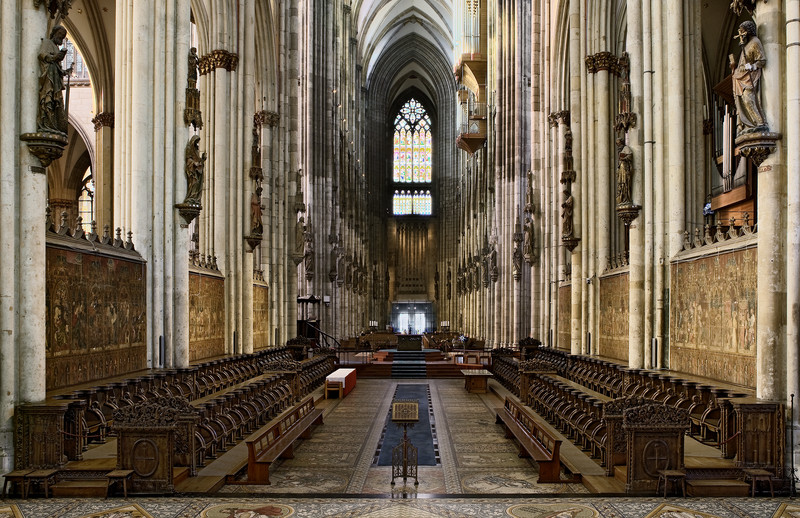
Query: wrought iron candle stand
x=405 y=413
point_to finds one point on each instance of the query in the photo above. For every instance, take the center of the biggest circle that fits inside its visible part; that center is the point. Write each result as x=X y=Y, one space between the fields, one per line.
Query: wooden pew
x=533 y=439
x=277 y=441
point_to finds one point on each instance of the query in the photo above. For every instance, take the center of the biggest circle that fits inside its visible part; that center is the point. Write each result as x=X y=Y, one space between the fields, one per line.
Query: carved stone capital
x=103 y=120
x=188 y=211
x=570 y=242
x=628 y=212
x=266 y=118
x=606 y=61
x=218 y=58
x=45 y=146
x=56 y=8
x=757 y=146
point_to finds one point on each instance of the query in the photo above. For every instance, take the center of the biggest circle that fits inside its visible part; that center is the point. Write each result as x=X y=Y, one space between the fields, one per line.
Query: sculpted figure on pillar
x=256 y=220
x=624 y=173
x=256 y=147
x=194 y=167
x=567 y=228
x=299 y=236
x=529 y=193
x=746 y=80
x=193 y=62
x=436 y=284
x=52 y=114
x=528 y=239
x=308 y=255
x=449 y=284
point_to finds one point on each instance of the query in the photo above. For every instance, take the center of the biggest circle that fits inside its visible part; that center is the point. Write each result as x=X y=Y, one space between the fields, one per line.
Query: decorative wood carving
x=37 y=432
x=654 y=442
x=146 y=443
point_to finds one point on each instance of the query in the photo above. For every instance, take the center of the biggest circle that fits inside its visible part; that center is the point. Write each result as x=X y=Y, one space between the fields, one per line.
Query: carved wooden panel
x=35 y=428
x=761 y=440
x=654 y=442
x=564 y=317
x=713 y=317
x=95 y=307
x=206 y=316
x=149 y=452
x=613 y=320
x=261 y=326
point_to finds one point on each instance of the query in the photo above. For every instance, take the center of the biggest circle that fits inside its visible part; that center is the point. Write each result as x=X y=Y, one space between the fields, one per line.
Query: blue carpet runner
x=420 y=434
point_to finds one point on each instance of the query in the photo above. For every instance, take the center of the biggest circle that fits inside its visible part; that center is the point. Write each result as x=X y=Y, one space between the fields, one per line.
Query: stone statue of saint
x=193 y=62
x=436 y=284
x=516 y=257
x=494 y=271
x=527 y=246
x=746 y=80
x=624 y=173
x=308 y=255
x=567 y=228
x=52 y=115
x=256 y=148
x=529 y=193
x=194 y=167
x=256 y=221
x=299 y=236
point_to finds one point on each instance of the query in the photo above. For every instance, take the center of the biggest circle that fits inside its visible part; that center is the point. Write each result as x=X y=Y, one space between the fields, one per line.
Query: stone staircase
x=409 y=364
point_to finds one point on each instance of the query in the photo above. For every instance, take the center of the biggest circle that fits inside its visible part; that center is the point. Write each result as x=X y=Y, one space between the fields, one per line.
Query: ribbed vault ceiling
x=381 y=23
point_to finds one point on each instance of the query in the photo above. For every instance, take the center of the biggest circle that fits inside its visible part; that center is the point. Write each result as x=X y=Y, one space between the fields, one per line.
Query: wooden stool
x=40 y=476
x=758 y=474
x=117 y=475
x=676 y=476
x=16 y=476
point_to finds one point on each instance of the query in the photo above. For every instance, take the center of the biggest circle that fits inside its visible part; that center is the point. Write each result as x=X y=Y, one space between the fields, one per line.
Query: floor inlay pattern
x=402 y=506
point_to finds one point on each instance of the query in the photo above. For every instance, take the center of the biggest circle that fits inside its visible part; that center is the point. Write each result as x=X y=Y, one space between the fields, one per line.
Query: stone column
x=771 y=269
x=29 y=225
x=636 y=345
x=148 y=109
x=104 y=168
x=676 y=161
x=792 y=140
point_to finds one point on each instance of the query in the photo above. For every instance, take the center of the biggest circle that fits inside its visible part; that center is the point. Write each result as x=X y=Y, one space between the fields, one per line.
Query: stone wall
x=713 y=316
x=261 y=326
x=95 y=305
x=564 y=317
x=613 y=318
x=206 y=316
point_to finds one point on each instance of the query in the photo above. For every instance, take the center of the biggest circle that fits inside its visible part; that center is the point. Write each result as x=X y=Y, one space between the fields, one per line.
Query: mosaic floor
x=476 y=458
x=272 y=507
x=335 y=474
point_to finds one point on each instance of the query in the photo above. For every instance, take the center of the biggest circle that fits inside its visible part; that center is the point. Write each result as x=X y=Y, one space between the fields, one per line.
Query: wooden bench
x=277 y=441
x=533 y=439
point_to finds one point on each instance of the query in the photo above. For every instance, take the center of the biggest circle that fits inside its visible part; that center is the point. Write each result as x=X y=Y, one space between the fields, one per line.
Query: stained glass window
x=412 y=159
x=412 y=144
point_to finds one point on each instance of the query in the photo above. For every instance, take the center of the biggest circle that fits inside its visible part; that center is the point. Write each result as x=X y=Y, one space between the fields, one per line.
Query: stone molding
x=103 y=120
x=218 y=58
